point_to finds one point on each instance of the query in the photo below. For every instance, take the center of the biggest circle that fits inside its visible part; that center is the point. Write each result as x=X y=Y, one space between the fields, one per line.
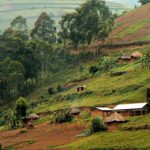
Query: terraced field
x=32 y=9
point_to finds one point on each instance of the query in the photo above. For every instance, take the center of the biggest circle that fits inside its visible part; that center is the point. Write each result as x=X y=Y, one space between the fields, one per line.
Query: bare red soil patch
x=44 y=136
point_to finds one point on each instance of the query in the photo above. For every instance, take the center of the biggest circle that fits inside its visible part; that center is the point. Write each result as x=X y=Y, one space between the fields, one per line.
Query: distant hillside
x=55 y=8
x=132 y=26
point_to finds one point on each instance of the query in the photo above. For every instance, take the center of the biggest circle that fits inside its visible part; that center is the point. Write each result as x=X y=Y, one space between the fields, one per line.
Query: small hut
x=115 y=117
x=136 y=55
x=101 y=111
x=133 y=109
x=124 y=58
x=33 y=117
x=81 y=88
x=75 y=111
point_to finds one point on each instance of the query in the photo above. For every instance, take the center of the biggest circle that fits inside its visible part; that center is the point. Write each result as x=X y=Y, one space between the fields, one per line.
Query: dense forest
x=26 y=55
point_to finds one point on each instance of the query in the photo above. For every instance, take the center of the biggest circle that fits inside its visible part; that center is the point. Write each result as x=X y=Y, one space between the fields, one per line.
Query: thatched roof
x=115 y=117
x=33 y=116
x=75 y=110
x=136 y=54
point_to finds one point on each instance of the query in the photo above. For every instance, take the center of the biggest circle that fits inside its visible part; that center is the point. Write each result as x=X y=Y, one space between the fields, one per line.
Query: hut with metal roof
x=101 y=111
x=133 y=109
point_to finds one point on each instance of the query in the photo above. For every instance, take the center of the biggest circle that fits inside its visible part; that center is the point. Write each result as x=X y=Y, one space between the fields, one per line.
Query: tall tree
x=92 y=21
x=95 y=19
x=19 y=23
x=44 y=29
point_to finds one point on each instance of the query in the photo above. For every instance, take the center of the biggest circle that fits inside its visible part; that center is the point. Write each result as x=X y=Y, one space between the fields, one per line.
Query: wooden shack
x=130 y=58
x=101 y=111
x=124 y=59
x=81 y=88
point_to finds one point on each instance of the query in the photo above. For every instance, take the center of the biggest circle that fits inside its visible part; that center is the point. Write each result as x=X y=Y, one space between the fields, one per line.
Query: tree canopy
x=91 y=21
x=44 y=29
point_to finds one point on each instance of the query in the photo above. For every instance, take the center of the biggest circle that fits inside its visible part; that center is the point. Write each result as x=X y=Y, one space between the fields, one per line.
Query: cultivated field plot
x=32 y=9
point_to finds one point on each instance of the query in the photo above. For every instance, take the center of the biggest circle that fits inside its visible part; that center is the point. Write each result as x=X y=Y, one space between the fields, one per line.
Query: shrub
x=63 y=117
x=71 y=97
x=85 y=115
x=97 y=124
x=13 y=120
x=21 y=107
x=51 y=90
x=93 y=69
x=117 y=73
x=59 y=88
x=107 y=63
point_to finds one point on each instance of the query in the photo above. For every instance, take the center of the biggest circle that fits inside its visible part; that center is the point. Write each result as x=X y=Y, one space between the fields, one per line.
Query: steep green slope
x=101 y=89
x=125 y=140
x=132 y=26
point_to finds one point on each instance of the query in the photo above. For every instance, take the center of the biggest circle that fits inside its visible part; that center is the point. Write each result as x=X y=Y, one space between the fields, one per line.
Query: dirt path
x=43 y=137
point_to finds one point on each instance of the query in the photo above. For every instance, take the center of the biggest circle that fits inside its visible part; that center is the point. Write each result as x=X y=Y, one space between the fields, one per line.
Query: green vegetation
x=104 y=89
x=145 y=38
x=133 y=28
x=89 y=22
x=136 y=123
x=21 y=107
x=97 y=125
x=63 y=117
x=117 y=140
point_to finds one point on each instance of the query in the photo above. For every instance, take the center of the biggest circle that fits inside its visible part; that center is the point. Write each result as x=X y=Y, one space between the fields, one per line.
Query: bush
x=97 y=124
x=107 y=63
x=51 y=90
x=117 y=73
x=85 y=115
x=63 y=117
x=21 y=107
x=13 y=120
x=93 y=69
x=59 y=88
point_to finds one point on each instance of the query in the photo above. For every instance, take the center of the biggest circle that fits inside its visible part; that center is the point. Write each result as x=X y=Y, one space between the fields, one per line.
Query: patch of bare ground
x=44 y=136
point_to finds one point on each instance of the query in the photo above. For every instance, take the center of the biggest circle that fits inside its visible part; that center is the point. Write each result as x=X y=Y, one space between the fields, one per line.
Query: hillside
x=102 y=89
x=132 y=26
x=40 y=80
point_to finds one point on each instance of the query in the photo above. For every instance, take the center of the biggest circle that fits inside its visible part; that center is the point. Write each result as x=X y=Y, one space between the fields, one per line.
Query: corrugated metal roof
x=130 y=106
x=104 y=108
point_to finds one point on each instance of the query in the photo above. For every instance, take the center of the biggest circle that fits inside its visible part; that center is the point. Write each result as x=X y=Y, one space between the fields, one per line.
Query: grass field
x=133 y=28
x=101 y=89
x=119 y=140
x=137 y=139
x=145 y=38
